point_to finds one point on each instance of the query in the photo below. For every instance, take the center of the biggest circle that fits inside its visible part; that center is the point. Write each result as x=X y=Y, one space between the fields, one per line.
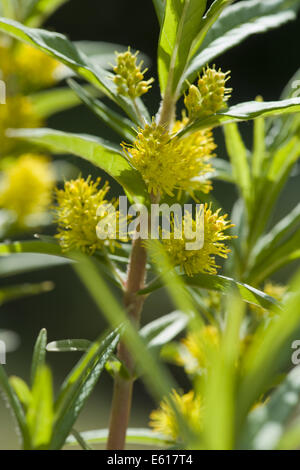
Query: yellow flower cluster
x=209 y=96
x=165 y=421
x=167 y=163
x=196 y=348
x=16 y=113
x=27 y=67
x=26 y=187
x=34 y=68
x=199 y=260
x=129 y=76
x=76 y=215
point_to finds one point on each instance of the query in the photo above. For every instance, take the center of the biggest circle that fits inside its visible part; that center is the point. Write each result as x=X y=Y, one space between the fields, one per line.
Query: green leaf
x=259 y=148
x=15 y=405
x=244 y=112
x=46 y=103
x=221 y=284
x=159 y=6
x=80 y=440
x=276 y=175
x=22 y=390
x=42 y=255
x=265 y=425
x=164 y=329
x=58 y=46
x=268 y=244
x=97 y=151
x=79 y=384
x=23 y=290
x=181 y=24
x=40 y=414
x=39 y=354
x=238 y=156
x=236 y=23
x=220 y=384
x=138 y=436
x=269 y=352
x=116 y=316
x=285 y=253
x=208 y=20
x=118 y=123
x=68 y=345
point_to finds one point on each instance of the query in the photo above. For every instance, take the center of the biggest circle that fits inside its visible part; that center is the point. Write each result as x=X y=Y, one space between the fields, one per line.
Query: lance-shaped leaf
x=123 y=126
x=265 y=425
x=15 y=406
x=58 y=46
x=244 y=112
x=238 y=156
x=268 y=244
x=235 y=24
x=164 y=329
x=69 y=345
x=48 y=102
x=79 y=384
x=97 y=151
x=220 y=284
x=39 y=354
x=24 y=290
x=270 y=352
x=159 y=6
x=181 y=24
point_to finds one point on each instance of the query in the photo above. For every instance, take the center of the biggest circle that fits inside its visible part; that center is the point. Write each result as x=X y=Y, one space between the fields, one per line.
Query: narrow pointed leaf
x=97 y=151
x=220 y=284
x=235 y=24
x=39 y=354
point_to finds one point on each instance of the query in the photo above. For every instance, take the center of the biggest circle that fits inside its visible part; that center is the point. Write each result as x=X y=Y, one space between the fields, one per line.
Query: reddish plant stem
x=122 y=394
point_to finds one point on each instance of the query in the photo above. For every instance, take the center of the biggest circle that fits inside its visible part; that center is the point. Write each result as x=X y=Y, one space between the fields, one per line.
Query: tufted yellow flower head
x=26 y=187
x=196 y=348
x=168 y=164
x=17 y=112
x=199 y=260
x=34 y=68
x=129 y=76
x=165 y=421
x=210 y=96
x=76 y=215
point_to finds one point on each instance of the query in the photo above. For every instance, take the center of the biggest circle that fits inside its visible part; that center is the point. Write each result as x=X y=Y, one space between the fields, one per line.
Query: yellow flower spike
x=26 y=187
x=129 y=76
x=164 y=419
x=210 y=96
x=76 y=215
x=34 y=68
x=167 y=164
x=193 y=102
x=199 y=260
x=16 y=113
x=197 y=346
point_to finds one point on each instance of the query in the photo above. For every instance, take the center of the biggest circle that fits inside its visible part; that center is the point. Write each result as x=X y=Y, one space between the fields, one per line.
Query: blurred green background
x=260 y=66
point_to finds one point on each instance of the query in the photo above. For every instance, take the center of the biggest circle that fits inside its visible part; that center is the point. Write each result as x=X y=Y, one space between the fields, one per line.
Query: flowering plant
x=237 y=328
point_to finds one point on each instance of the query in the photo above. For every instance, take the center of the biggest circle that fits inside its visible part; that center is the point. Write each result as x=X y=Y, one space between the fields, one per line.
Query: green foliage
x=235 y=330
